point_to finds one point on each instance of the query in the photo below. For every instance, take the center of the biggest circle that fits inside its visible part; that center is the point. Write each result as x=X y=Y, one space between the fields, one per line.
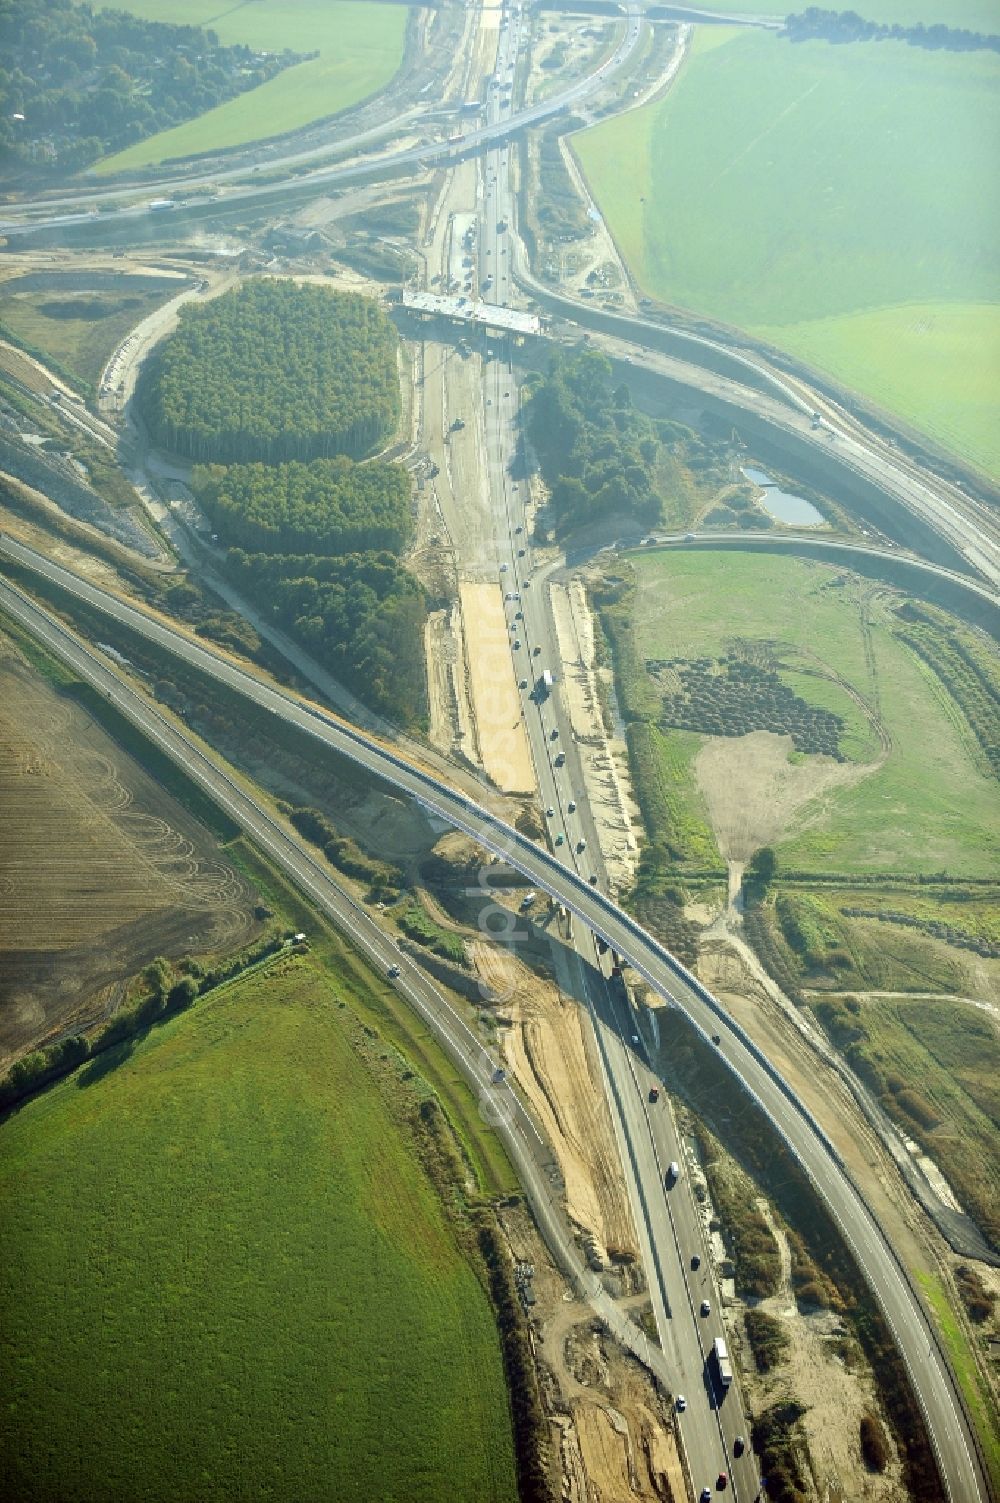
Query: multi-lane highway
x=668 y=1223
x=930 y=1375
x=120 y=208
x=670 y=1232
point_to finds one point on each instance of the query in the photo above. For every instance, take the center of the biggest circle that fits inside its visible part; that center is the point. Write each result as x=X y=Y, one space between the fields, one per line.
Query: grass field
x=360 y=46
x=260 y=1296
x=825 y=197
x=936 y=364
x=80 y=330
x=929 y=804
x=383 y=1009
x=974 y=15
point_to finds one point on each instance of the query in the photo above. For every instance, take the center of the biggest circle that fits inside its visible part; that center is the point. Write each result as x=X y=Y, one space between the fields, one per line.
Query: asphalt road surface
x=930 y=1376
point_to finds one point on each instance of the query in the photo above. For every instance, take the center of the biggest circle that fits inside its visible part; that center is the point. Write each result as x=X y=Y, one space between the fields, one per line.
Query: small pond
x=783 y=506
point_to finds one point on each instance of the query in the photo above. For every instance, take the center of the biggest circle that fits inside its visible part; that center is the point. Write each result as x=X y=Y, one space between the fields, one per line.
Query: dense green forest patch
x=274 y=371
x=262 y=1294
x=601 y=457
x=304 y=377
x=329 y=506
x=362 y=615
x=79 y=82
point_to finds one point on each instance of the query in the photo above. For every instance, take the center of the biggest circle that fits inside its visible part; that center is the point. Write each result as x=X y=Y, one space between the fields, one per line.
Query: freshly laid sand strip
x=503 y=745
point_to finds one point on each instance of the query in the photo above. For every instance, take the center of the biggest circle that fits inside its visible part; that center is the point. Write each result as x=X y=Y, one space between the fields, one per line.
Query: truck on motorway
x=543 y=685
x=160 y=205
x=721 y=1356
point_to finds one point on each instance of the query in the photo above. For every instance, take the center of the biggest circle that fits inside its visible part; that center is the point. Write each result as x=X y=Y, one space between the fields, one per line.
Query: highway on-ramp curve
x=930 y=1375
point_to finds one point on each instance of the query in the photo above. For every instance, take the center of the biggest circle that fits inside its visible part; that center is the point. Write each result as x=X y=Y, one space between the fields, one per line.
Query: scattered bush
x=731 y=697
x=767 y=1337
x=874 y=1452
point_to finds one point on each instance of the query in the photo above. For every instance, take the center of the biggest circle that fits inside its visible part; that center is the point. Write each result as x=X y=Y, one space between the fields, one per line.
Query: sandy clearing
x=549 y=1048
x=503 y=745
x=604 y=760
x=835 y=1398
x=753 y=792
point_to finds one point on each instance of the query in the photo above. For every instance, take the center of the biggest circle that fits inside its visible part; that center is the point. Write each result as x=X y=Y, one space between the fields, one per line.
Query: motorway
x=668 y=1224
x=667 y=1221
x=915 y=1336
x=426 y=153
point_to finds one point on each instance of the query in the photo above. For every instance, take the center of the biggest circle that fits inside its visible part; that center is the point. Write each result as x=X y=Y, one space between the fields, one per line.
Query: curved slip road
x=916 y=1339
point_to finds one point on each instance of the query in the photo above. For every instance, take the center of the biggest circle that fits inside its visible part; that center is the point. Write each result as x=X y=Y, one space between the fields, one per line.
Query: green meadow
x=973 y=15
x=360 y=48
x=839 y=201
x=226 y=1275
x=925 y=804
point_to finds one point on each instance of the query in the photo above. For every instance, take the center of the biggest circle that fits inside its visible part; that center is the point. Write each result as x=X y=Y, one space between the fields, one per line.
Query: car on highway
x=522 y=683
x=695 y=1260
x=518 y=528
x=722 y=1481
x=536 y=652
x=521 y=552
x=560 y=838
x=739 y=1446
x=516 y=644
x=571 y=806
x=560 y=759
x=706 y=1495
x=654 y=1094
x=581 y=845
x=393 y=972
x=503 y=570
x=706 y=1307
x=550 y=813
x=592 y=879
x=554 y=735
x=681 y=1403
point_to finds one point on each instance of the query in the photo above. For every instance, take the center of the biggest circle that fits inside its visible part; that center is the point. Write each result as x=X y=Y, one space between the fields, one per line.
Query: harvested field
x=100 y=869
x=503 y=745
x=548 y=1048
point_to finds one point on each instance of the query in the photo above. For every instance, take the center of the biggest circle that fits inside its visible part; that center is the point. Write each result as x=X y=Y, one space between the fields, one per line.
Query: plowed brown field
x=100 y=868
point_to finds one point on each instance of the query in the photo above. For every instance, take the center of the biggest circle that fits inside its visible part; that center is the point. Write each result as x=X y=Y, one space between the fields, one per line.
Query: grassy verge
x=976 y=1394
x=360 y=47
x=257 y=1253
